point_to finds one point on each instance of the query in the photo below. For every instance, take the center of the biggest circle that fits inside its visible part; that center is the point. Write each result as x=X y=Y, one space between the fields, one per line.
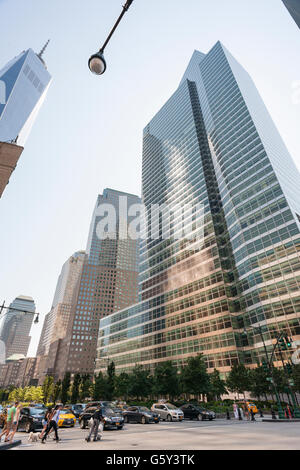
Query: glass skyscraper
x=214 y=143
x=23 y=86
x=24 y=82
x=16 y=326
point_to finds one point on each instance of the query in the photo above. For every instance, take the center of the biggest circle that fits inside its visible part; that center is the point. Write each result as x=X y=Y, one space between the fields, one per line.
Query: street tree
x=65 y=387
x=238 y=379
x=75 y=388
x=217 y=386
x=194 y=378
x=47 y=388
x=165 y=380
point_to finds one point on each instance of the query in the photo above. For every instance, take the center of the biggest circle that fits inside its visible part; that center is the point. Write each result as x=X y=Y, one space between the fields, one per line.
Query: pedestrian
x=252 y=415
x=240 y=414
x=15 y=422
x=261 y=412
x=4 y=432
x=97 y=419
x=9 y=421
x=288 y=412
x=45 y=422
x=53 y=420
x=235 y=411
x=273 y=414
x=246 y=412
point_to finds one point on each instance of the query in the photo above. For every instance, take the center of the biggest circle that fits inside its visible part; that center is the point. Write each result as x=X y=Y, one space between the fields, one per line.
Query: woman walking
x=15 y=423
x=53 y=420
x=46 y=422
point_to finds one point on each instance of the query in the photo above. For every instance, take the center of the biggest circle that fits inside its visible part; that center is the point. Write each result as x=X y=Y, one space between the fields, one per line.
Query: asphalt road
x=187 y=435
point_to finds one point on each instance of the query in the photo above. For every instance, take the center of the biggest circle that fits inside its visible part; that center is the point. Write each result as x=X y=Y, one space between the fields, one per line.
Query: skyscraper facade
x=103 y=280
x=108 y=282
x=214 y=143
x=24 y=82
x=16 y=326
x=57 y=320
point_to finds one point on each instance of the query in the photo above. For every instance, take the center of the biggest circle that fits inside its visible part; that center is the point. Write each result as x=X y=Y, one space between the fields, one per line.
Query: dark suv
x=140 y=414
x=112 y=419
x=195 y=412
x=31 y=419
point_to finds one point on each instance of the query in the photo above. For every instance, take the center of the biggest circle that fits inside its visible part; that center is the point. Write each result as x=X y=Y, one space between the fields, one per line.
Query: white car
x=168 y=412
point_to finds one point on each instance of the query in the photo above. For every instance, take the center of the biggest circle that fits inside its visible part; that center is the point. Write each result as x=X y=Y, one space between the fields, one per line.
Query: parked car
x=195 y=412
x=31 y=419
x=78 y=409
x=167 y=411
x=140 y=414
x=66 y=418
x=111 y=418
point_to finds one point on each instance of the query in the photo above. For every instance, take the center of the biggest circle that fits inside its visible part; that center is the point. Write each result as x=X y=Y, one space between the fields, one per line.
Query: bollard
x=273 y=414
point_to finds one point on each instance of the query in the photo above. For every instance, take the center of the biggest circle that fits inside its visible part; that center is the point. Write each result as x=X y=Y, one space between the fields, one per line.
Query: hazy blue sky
x=88 y=135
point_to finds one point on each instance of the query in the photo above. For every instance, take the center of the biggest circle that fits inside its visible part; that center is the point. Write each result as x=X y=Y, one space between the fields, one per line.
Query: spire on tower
x=43 y=50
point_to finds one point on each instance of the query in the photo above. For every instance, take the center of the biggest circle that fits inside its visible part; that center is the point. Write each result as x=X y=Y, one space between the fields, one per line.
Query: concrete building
x=16 y=326
x=24 y=82
x=214 y=142
x=58 y=320
x=18 y=371
x=108 y=282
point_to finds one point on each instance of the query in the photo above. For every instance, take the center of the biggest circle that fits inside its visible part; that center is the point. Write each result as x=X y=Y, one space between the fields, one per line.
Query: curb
x=9 y=445
x=297 y=420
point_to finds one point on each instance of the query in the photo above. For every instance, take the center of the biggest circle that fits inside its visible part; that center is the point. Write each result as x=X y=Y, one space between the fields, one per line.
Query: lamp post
x=2 y=307
x=270 y=367
x=97 y=63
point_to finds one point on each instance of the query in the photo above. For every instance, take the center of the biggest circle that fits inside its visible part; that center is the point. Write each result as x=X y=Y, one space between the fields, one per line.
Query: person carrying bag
x=96 y=426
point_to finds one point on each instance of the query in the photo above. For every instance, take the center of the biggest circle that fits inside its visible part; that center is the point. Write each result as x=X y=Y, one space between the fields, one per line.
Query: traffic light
x=288 y=341
x=281 y=344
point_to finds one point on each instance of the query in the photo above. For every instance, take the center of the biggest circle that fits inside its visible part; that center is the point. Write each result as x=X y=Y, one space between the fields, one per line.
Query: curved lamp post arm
x=97 y=63
x=125 y=9
x=2 y=307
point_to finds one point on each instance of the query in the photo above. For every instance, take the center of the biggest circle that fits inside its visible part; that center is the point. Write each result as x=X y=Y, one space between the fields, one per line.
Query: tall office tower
x=24 y=82
x=108 y=283
x=214 y=142
x=57 y=321
x=105 y=280
x=16 y=326
x=293 y=7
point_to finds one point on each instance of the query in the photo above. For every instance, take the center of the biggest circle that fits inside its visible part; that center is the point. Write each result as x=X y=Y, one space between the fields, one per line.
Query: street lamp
x=269 y=363
x=2 y=307
x=97 y=63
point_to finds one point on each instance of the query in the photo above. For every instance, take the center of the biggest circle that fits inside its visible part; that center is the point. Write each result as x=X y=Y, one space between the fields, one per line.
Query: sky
x=88 y=134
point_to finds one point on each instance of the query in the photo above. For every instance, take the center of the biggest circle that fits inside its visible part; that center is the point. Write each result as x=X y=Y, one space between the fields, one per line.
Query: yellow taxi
x=66 y=418
x=250 y=406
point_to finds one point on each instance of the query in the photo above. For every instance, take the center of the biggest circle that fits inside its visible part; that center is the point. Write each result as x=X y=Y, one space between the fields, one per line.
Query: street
x=188 y=435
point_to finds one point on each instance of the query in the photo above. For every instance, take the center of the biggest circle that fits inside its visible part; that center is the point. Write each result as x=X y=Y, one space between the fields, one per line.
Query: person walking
x=45 y=422
x=252 y=415
x=15 y=422
x=246 y=412
x=53 y=420
x=97 y=419
x=4 y=432
x=9 y=421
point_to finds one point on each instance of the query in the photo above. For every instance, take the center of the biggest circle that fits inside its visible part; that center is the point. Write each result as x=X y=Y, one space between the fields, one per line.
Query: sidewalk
x=9 y=445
